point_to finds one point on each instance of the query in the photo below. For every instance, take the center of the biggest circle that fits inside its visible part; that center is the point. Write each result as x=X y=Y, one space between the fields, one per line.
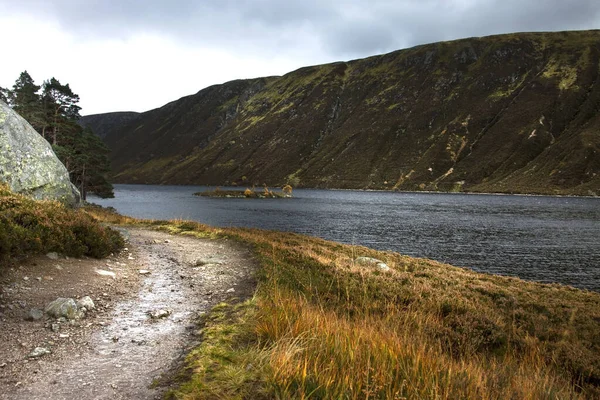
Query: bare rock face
x=28 y=164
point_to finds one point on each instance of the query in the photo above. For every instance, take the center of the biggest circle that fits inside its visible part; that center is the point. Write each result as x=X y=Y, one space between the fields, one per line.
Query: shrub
x=30 y=227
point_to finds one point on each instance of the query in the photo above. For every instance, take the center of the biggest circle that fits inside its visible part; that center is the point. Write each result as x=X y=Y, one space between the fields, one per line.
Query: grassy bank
x=321 y=326
x=30 y=227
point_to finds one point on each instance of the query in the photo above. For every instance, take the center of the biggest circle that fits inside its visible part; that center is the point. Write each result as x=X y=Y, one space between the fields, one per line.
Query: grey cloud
x=342 y=28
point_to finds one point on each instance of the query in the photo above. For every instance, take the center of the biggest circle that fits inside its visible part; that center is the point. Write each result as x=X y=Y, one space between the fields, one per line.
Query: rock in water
x=62 y=307
x=28 y=164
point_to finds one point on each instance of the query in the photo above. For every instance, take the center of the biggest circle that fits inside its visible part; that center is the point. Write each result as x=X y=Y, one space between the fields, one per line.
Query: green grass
x=222 y=367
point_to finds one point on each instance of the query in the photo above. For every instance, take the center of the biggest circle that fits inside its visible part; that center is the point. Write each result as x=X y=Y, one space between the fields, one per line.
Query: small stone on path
x=86 y=302
x=106 y=273
x=35 y=315
x=158 y=314
x=38 y=352
x=52 y=255
x=144 y=272
x=63 y=307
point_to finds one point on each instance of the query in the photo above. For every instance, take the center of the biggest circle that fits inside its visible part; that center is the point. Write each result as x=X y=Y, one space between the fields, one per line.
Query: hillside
x=508 y=113
x=102 y=124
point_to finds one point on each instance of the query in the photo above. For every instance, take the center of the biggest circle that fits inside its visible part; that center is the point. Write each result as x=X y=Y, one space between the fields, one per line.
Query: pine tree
x=86 y=158
x=60 y=109
x=55 y=115
x=25 y=100
x=4 y=95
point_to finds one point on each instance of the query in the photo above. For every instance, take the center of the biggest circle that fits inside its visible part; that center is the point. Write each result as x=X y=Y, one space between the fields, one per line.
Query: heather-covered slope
x=509 y=113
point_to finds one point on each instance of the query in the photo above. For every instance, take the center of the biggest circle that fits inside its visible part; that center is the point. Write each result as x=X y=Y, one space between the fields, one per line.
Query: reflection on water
x=549 y=239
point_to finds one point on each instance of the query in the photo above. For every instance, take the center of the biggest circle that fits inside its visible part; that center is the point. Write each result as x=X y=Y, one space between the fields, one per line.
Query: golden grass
x=323 y=327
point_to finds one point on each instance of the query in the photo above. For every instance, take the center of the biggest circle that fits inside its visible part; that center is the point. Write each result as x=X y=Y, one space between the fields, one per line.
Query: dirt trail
x=118 y=351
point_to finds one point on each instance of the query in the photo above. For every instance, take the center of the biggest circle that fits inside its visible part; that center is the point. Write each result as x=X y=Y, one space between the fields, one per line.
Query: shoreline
x=381 y=191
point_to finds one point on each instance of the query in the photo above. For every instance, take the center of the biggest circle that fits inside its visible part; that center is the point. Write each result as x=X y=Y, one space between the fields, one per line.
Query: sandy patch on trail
x=118 y=350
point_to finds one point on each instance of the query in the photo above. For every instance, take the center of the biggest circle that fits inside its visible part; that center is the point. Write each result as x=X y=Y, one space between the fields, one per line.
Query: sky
x=135 y=55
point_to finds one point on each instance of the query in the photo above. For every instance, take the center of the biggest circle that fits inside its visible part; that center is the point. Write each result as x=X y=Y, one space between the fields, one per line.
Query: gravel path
x=143 y=326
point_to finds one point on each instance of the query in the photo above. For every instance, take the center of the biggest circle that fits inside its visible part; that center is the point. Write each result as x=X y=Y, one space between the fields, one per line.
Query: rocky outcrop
x=28 y=164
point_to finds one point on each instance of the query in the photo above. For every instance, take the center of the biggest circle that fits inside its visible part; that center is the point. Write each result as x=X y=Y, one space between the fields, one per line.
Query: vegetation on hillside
x=54 y=113
x=509 y=113
x=29 y=227
x=320 y=326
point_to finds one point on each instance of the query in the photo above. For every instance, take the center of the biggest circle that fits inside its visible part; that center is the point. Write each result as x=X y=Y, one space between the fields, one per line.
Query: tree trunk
x=83 y=194
x=55 y=130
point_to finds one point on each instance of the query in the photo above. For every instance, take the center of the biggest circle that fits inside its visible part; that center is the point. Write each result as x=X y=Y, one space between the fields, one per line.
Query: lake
x=542 y=238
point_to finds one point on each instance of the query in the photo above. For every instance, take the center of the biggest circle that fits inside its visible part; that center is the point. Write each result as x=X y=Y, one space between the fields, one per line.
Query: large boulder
x=28 y=164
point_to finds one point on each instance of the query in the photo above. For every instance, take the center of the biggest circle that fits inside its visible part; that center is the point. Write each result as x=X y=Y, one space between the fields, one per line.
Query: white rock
x=367 y=261
x=383 y=267
x=144 y=272
x=157 y=314
x=230 y=290
x=52 y=255
x=38 y=352
x=86 y=302
x=106 y=273
x=373 y=262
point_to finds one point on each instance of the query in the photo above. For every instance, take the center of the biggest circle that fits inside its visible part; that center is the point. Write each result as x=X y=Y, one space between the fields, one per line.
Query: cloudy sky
x=139 y=54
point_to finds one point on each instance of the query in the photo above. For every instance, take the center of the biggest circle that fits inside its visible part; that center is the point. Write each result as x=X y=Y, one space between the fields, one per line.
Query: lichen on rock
x=28 y=164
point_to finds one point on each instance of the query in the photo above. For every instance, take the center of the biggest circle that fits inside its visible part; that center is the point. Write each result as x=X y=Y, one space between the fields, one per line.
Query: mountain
x=515 y=113
x=101 y=124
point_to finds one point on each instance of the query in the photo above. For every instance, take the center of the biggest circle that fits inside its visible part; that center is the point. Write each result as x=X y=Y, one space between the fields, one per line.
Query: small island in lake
x=286 y=192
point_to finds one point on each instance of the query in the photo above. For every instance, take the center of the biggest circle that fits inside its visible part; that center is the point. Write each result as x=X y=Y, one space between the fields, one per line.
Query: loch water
x=541 y=238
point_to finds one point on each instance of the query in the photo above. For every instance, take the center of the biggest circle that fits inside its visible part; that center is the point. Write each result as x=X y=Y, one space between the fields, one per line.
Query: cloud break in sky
x=134 y=55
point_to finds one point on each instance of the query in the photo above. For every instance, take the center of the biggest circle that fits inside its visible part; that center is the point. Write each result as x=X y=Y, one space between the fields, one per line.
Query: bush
x=30 y=227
